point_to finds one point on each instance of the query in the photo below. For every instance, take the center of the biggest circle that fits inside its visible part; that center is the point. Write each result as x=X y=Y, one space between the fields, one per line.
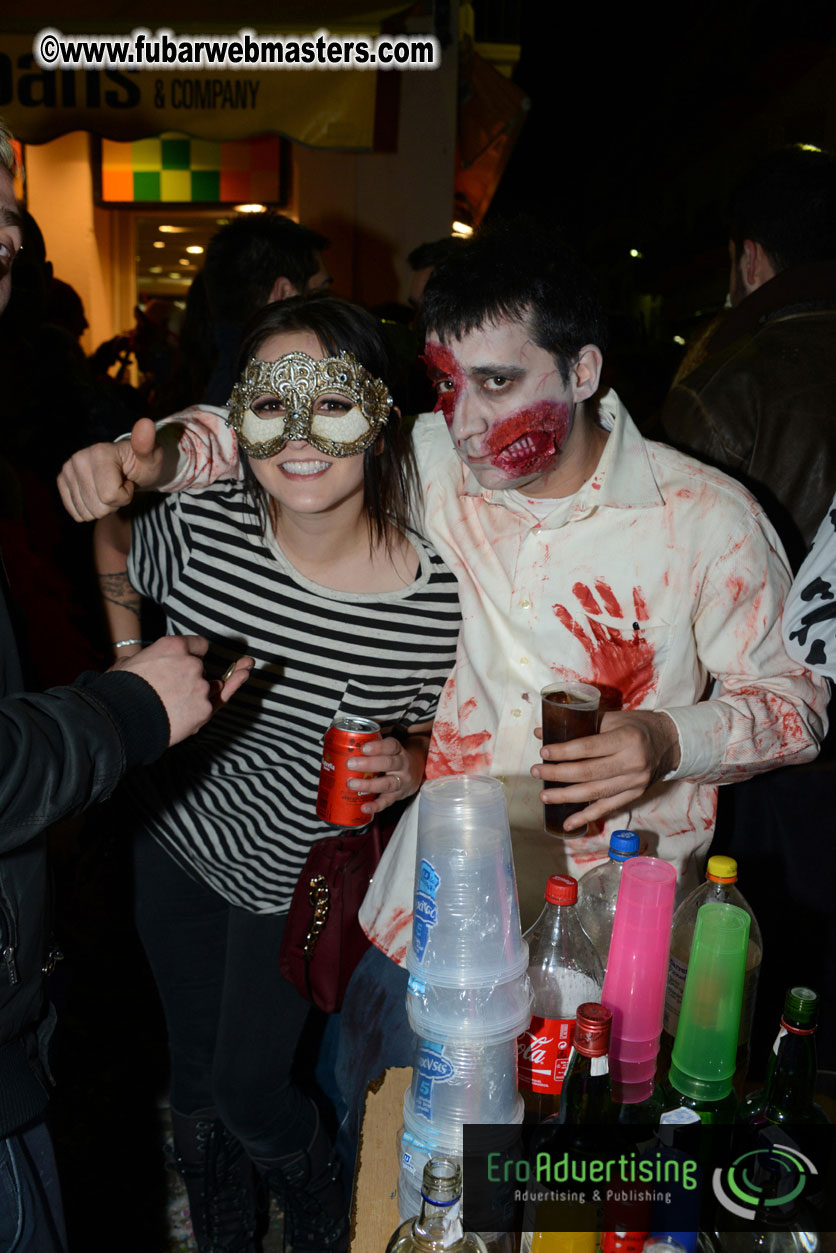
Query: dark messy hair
x=787 y=204
x=388 y=465
x=517 y=270
x=245 y=257
x=434 y=252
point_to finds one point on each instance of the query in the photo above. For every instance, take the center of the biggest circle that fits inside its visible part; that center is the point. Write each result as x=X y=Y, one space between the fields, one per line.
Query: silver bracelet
x=126 y=643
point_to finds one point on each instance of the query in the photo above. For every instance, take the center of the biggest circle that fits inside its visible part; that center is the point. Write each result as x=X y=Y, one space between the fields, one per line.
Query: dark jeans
x=374 y=1034
x=31 y=1214
x=233 y=1020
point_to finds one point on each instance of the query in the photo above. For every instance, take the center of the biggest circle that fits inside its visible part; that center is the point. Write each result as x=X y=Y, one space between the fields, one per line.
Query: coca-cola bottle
x=565 y=970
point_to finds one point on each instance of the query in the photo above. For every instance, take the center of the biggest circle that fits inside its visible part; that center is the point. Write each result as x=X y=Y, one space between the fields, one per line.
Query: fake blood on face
x=528 y=441
x=441 y=364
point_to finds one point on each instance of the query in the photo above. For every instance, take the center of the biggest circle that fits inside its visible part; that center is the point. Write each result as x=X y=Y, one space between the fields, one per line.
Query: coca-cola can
x=336 y=802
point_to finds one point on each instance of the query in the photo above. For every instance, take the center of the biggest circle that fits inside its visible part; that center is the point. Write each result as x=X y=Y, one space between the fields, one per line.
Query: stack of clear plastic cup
x=468 y=996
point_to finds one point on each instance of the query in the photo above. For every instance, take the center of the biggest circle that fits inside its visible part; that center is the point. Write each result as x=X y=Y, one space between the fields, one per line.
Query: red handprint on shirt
x=621 y=661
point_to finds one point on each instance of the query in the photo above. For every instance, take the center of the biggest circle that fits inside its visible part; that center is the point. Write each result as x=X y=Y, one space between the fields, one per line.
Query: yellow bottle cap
x=721 y=869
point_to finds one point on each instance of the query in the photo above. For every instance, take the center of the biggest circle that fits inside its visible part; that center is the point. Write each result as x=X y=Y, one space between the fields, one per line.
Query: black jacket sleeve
x=70 y=746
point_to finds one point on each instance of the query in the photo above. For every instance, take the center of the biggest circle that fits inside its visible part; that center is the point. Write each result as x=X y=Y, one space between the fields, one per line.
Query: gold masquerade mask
x=335 y=405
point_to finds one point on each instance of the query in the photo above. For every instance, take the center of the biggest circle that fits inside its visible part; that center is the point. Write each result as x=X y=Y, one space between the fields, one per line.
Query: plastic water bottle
x=598 y=891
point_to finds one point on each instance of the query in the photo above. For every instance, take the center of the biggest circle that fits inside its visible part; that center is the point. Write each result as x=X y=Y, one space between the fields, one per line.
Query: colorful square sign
x=175 y=169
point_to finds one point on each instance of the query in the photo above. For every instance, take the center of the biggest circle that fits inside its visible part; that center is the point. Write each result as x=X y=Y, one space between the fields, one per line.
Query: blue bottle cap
x=685 y=1240
x=623 y=845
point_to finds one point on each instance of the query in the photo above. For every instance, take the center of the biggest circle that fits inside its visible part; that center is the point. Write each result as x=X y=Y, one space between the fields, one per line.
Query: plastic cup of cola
x=570 y=711
x=637 y=969
x=471 y=1015
x=455 y=1083
x=466 y=920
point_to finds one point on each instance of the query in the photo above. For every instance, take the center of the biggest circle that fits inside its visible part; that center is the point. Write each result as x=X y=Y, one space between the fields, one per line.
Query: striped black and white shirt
x=236 y=802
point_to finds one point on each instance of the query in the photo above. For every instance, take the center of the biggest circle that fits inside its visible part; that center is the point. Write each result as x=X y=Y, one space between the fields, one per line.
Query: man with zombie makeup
x=581 y=551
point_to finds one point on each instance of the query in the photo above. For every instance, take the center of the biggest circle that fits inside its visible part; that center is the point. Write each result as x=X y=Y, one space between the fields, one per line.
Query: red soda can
x=336 y=802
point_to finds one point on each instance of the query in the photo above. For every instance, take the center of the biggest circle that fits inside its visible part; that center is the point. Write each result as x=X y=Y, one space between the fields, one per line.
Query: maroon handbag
x=323 y=941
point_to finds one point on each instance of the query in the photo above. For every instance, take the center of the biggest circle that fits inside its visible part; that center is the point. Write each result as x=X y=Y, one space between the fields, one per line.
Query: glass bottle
x=598 y=892
x=565 y=970
x=586 y=1097
x=791 y=1073
x=558 y=1242
x=768 y=1241
x=720 y=885
x=623 y=1241
x=439 y=1225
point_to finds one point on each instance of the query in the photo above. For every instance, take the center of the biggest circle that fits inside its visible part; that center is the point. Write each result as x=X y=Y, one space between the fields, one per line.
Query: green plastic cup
x=705 y=1047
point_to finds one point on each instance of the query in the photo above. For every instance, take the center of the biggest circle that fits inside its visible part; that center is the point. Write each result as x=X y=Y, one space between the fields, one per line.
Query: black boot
x=220 y=1183
x=308 y=1188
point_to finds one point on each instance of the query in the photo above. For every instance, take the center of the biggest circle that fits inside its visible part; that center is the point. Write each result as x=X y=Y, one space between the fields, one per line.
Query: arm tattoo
x=118 y=590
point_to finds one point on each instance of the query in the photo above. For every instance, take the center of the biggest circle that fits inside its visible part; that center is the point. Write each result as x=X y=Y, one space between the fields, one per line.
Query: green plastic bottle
x=705 y=1048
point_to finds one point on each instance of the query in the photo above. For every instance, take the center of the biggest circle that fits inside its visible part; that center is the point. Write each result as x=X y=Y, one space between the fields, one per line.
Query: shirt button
x=516 y=713
x=525 y=604
x=523 y=661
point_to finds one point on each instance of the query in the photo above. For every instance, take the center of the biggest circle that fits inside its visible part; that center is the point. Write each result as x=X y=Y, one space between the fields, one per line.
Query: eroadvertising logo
x=698 y=1177
x=763 y=1180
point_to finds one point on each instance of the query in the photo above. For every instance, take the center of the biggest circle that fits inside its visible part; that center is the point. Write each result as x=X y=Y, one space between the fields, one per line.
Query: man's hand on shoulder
x=173 y=666
x=100 y=479
x=633 y=750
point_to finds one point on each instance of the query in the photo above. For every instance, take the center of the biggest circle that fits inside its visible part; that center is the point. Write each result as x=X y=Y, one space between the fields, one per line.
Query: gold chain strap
x=319 y=895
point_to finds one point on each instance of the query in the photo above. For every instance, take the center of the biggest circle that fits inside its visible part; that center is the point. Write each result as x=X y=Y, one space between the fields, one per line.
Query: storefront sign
x=328 y=108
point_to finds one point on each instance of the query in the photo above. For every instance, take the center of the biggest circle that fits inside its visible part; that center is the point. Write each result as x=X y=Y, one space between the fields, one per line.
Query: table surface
x=374 y=1204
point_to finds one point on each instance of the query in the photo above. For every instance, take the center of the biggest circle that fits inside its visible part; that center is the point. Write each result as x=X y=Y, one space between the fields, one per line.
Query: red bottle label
x=543 y=1052
x=623 y=1241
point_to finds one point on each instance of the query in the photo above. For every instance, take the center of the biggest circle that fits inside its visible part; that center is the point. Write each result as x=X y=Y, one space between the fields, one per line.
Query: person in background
x=809 y=622
x=423 y=260
x=60 y=751
x=253 y=260
x=761 y=406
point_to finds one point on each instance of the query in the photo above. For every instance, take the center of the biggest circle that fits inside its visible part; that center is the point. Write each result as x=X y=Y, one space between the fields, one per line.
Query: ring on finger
x=397 y=778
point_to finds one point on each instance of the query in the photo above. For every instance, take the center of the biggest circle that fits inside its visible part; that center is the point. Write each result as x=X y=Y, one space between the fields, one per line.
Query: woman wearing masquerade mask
x=308 y=565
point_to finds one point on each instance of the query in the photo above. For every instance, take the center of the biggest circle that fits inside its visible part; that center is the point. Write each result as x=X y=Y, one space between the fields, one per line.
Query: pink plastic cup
x=637 y=972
